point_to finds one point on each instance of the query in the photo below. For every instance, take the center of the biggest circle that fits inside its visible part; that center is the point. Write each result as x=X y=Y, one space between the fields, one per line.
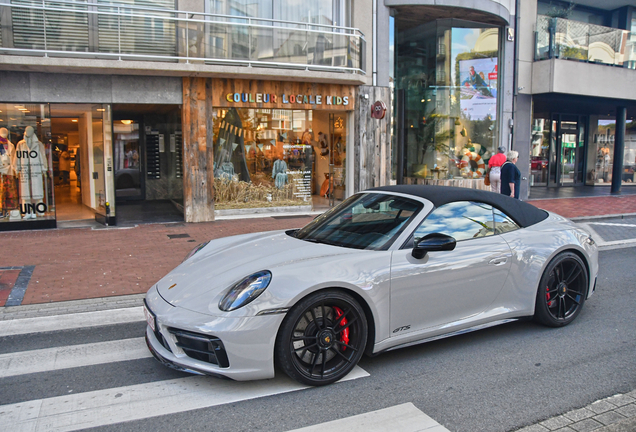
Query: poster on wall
x=478 y=80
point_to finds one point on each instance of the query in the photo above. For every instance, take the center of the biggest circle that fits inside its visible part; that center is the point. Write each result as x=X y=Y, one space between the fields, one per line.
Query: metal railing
x=105 y=30
x=574 y=40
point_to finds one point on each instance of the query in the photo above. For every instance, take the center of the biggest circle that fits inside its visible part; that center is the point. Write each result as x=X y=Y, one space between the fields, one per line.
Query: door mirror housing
x=435 y=242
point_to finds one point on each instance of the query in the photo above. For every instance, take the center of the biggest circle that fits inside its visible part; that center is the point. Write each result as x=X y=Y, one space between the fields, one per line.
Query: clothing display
x=8 y=188
x=230 y=146
x=279 y=173
x=31 y=165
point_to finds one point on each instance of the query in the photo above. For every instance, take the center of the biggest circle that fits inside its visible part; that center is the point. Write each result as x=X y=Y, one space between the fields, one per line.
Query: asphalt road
x=498 y=379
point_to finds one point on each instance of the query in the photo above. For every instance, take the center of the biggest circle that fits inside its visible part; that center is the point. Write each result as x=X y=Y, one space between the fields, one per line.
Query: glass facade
x=278 y=157
x=448 y=70
x=601 y=170
x=329 y=12
x=26 y=163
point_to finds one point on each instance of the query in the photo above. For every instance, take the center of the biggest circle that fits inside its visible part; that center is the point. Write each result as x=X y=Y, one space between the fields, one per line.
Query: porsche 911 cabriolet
x=387 y=268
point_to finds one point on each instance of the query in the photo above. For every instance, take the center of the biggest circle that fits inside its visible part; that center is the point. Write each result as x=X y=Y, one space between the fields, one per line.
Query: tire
x=322 y=338
x=562 y=291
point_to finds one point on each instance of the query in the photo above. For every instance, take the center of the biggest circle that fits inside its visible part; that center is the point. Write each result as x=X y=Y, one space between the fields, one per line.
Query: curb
x=70 y=307
x=612 y=414
x=610 y=216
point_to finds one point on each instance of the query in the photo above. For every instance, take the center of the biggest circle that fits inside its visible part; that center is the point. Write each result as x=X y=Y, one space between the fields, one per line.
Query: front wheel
x=562 y=291
x=322 y=338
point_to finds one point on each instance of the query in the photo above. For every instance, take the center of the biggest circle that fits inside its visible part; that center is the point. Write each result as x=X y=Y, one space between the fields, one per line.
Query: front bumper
x=248 y=341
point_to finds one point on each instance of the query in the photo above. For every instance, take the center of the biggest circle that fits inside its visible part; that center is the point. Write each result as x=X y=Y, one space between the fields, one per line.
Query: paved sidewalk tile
x=609 y=418
x=556 y=422
x=81 y=263
x=590 y=206
x=587 y=425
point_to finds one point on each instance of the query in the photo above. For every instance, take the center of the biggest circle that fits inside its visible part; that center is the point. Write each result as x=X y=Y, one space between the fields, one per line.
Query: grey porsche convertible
x=387 y=268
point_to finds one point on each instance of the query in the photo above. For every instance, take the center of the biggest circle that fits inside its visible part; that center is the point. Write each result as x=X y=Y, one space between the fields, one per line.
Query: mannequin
x=31 y=165
x=8 y=190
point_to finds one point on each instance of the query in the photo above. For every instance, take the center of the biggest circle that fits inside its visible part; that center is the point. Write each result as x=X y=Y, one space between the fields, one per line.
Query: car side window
x=461 y=220
x=503 y=222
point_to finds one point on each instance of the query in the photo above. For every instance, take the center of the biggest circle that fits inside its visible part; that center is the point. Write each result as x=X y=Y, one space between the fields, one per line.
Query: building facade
x=209 y=106
x=576 y=94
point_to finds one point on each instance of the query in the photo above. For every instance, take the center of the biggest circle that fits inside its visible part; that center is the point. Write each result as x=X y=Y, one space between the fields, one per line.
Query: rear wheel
x=322 y=338
x=562 y=291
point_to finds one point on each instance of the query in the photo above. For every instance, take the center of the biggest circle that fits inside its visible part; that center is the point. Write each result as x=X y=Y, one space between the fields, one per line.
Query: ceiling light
x=74 y=120
x=126 y=122
x=101 y=109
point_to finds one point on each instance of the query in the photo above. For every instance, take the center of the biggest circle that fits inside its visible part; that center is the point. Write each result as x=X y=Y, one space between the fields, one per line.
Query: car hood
x=199 y=283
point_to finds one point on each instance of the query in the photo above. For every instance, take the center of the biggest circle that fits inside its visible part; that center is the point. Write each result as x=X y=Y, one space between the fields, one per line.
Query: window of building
x=329 y=12
x=27 y=164
x=279 y=157
x=449 y=72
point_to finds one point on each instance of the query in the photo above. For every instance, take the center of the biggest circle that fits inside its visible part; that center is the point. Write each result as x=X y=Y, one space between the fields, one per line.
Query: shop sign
x=281 y=94
x=378 y=110
x=287 y=99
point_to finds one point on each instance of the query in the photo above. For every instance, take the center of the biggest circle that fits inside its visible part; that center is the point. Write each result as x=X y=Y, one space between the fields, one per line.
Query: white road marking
x=403 y=418
x=612 y=224
x=70 y=321
x=73 y=356
x=117 y=405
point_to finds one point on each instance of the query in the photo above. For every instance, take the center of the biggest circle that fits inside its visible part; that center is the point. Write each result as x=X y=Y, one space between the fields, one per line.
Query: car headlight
x=195 y=250
x=245 y=291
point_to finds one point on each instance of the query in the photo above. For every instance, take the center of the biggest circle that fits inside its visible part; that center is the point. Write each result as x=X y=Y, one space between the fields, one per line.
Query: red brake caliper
x=547 y=289
x=344 y=338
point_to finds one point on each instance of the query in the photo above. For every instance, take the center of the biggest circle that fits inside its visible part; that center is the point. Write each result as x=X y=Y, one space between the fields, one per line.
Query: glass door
x=129 y=171
x=571 y=143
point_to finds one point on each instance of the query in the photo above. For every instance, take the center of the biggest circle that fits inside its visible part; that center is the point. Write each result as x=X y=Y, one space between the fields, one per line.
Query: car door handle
x=498 y=261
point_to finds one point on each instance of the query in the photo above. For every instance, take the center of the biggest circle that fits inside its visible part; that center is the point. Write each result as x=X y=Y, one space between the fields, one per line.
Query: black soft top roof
x=522 y=213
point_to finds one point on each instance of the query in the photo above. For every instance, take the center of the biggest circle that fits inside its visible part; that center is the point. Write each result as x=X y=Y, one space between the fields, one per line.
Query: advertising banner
x=478 y=80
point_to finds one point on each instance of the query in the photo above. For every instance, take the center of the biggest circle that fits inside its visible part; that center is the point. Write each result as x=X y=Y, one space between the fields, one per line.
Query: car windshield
x=364 y=221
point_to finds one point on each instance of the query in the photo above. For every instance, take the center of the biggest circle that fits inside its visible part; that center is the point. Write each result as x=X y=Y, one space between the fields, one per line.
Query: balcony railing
x=574 y=40
x=104 y=30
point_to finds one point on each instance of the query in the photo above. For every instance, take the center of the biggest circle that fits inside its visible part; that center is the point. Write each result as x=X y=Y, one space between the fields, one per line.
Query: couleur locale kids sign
x=287 y=99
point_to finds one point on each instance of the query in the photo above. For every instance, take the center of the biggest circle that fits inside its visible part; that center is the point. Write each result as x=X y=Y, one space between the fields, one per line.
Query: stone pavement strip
x=84 y=263
x=613 y=414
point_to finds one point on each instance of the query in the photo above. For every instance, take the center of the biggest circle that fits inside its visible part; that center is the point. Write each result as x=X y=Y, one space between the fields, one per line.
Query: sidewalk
x=82 y=263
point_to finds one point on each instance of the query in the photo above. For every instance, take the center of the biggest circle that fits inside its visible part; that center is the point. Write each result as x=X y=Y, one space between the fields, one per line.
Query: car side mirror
x=435 y=242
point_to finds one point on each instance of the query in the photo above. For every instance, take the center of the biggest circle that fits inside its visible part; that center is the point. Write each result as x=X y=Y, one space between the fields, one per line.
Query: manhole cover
x=175 y=236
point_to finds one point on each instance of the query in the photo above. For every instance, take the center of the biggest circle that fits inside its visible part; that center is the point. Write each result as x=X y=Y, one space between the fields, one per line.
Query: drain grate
x=176 y=236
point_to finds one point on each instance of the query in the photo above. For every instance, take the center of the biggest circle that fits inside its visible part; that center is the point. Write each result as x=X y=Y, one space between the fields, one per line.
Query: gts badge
x=403 y=328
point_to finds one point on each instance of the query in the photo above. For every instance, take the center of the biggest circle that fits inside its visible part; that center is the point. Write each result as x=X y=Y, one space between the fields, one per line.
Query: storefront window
x=540 y=151
x=278 y=157
x=449 y=72
x=26 y=164
x=629 y=158
x=604 y=143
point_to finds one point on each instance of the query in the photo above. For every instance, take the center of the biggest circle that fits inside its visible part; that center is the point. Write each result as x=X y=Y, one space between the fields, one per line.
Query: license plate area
x=150 y=317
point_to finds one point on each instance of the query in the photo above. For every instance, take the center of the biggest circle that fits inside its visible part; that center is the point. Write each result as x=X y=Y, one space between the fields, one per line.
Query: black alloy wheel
x=322 y=338
x=562 y=291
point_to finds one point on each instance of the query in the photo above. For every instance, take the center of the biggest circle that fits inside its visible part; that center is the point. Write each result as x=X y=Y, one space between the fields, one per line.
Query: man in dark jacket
x=510 y=175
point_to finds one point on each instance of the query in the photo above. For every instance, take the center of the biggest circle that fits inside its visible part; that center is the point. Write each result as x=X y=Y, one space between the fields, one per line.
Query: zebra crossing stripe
x=403 y=418
x=70 y=321
x=612 y=224
x=136 y=402
x=45 y=360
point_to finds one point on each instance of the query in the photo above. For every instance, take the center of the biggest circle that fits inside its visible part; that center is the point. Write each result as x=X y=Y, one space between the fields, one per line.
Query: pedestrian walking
x=510 y=175
x=494 y=170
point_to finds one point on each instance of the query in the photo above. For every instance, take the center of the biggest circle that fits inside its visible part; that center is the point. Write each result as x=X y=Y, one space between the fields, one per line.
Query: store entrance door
x=570 y=150
x=82 y=163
